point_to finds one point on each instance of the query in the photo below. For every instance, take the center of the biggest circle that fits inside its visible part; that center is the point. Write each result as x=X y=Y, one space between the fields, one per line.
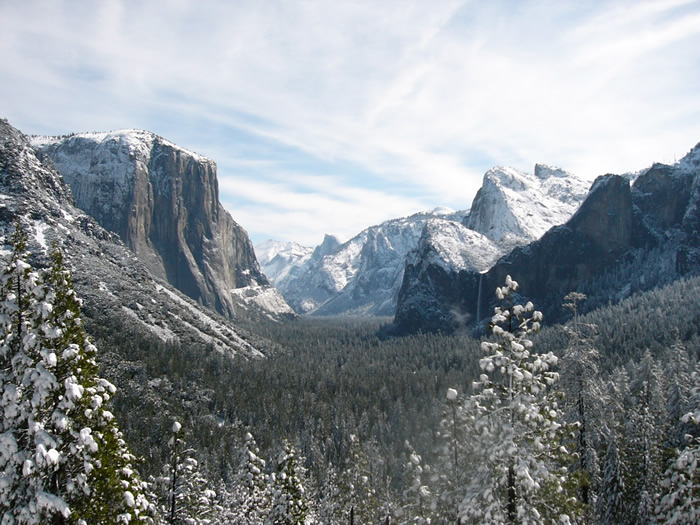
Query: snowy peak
x=281 y=261
x=516 y=206
x=330 y=244
x=451 y=245
x=542 y=171
x=691 y=162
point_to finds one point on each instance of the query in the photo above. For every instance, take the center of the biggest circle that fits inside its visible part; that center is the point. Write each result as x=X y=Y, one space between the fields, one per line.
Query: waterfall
x=478 y=300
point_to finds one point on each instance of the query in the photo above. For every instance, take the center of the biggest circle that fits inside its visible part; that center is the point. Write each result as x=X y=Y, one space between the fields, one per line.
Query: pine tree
x=251 y=490
x=62 y=456
x=645 y=437
x=680 y=501
x=418 y=507
x=611 y=501
x=356 y=493
x=185 y=496
x=451 y=472
x=289 y=503
x=521 y=474
x=584 y=400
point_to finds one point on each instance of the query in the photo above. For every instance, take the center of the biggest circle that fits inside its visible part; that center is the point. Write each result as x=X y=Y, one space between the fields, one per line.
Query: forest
x=592 y=421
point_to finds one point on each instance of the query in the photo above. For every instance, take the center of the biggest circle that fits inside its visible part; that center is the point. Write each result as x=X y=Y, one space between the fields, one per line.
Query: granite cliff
x=622 y=238
x=116 y=287
x=163 y=202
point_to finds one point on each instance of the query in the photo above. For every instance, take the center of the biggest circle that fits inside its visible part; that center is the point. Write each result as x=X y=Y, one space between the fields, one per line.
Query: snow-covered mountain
x=364 y=275
x=115 y=285
x=513 y=207
x=359 y=277
x=623 y=237
x=281 y=261
x=163 y=201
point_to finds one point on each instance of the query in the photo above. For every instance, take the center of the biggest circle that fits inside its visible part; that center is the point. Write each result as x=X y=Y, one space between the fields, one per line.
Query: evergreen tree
x=184 y=493
x=645 y=438
x=678 y=378
x=584 y=400
x=289 y=503
x=418 y=507
x=611 y=501
x=62 y=456
x=356 y=493
x=251 y=491
x=680 y=502
x=516 y=430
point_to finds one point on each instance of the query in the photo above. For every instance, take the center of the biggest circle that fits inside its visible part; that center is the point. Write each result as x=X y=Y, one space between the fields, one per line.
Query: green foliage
x=289 y=503
x=63 y=456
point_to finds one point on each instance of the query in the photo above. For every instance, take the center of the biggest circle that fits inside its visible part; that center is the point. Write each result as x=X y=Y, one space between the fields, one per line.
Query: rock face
x=113 y=283
x=514 y=207
x=445 y=252
x=359 y=277
x=365 y=276
x=163 y=202
x=647 y=233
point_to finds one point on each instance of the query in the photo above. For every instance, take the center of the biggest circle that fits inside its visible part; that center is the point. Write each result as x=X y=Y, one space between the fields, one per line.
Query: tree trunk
x=512 y=511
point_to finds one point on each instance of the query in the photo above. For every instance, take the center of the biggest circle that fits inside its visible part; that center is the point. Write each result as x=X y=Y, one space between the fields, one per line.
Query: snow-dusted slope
x=112 y=281
x=455 y=247
x=359 y=277
x=281 y=261
x=513 y=207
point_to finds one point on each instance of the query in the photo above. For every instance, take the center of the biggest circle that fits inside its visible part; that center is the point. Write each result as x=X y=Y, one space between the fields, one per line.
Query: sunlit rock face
x=163 y=202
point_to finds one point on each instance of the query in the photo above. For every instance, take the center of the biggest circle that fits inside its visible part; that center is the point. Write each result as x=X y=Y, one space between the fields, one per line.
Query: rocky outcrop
x=163 y=202
x=514 y=207
x=617 y=226
x=446 y=264
x=116 y=287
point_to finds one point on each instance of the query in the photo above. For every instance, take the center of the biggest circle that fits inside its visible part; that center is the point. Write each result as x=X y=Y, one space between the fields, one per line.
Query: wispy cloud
x=331 y=116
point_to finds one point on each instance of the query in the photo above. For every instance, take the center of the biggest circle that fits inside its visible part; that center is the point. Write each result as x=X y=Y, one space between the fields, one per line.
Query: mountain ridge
x=364 y=275
x=645 y=232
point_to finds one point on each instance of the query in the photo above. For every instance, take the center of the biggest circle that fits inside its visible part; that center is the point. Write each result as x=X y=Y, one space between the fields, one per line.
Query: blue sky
x=331 y=116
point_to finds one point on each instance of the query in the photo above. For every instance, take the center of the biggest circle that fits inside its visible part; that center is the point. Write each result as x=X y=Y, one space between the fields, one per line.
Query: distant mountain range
x=364 y=275
x=431 y=271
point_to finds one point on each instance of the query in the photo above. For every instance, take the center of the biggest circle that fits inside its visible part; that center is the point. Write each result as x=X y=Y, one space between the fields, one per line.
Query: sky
x=332 y=116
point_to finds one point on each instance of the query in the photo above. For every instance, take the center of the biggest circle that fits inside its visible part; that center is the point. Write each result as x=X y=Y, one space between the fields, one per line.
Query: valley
x=358 y=386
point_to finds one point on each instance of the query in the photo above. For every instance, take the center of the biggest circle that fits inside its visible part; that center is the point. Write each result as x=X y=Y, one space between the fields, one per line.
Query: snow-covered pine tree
x=646 y=434
x=584 y=400
x=680 y=501
x=450 y=471
x=678 y=377
x=419 y=501
x=185 y=496
x=251 y=491
x=289 y=503
x=610 y=505
x=62 y=457
x=520 y=475
x=356 y=494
